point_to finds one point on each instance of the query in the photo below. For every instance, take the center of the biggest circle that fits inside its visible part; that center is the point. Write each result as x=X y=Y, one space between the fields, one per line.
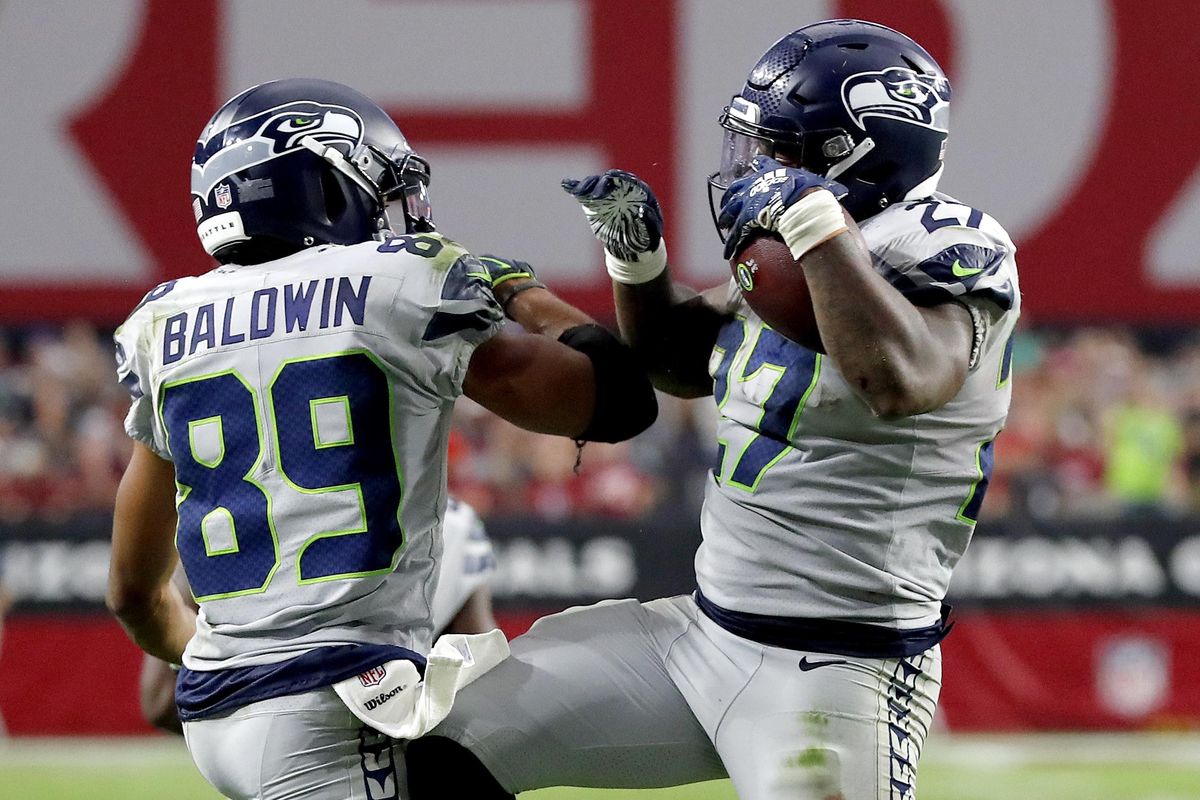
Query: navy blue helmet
x=853 y=101
x=294 y=163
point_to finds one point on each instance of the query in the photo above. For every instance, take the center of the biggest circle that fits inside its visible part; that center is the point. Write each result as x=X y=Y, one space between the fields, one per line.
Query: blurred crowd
x=1104 y=422
x=62 y=441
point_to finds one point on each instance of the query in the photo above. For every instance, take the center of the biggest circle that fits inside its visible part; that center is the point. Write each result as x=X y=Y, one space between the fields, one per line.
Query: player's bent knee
x=435 y=763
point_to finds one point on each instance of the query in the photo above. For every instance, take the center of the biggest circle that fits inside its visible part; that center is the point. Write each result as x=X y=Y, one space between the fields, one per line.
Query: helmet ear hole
x=335 y=197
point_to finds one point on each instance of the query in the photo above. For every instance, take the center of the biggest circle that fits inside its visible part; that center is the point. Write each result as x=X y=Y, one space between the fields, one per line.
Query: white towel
x=393 y=699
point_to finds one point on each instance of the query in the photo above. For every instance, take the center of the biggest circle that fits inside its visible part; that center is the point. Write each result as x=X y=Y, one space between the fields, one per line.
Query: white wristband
x=648 y=266
x=813 y=220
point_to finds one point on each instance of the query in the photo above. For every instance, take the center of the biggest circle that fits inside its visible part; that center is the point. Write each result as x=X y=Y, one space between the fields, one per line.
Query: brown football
x=773 y=284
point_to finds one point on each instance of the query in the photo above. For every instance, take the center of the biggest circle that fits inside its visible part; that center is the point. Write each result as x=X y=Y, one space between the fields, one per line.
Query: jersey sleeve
x=459 y=314
x=941 y=251
x=131 y=345
x=935 y=252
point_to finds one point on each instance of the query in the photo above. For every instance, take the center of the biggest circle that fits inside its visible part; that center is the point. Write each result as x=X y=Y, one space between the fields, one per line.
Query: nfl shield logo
x=373 y=676
x=224 y=196
x=1133 y=676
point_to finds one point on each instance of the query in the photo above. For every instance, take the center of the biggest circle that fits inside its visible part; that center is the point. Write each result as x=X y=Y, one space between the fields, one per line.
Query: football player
x=846 y=483
x=462 y=603
x=290 y=415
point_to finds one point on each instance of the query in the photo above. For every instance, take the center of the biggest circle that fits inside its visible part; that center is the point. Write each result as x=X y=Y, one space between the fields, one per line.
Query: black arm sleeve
x=625 y=402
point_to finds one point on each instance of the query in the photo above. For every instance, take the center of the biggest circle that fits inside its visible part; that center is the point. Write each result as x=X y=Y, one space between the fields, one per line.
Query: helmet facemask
x=405 y=184
x=391 y=180
x=816 y=151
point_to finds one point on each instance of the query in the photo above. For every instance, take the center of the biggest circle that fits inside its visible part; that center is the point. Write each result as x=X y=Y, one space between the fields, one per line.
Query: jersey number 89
x=226 y=535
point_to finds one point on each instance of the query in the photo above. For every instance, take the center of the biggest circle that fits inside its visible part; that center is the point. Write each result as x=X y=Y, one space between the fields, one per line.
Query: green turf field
x=1103 y=767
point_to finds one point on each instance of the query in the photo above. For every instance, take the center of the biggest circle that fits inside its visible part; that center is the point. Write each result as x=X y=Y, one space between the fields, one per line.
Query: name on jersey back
x=293 y=308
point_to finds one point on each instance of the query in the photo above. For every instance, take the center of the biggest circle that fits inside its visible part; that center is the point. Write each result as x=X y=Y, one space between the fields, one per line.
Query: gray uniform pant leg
x=300 y=747
x=586 y=700
x=798 y=725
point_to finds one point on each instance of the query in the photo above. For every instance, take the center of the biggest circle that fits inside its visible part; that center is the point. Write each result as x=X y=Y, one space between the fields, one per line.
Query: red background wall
x=1085 y=261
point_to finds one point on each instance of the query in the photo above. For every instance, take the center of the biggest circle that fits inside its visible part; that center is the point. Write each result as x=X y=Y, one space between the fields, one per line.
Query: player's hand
x=622 y=211
x=756 y=202
x=506 y=277
x=498 y=271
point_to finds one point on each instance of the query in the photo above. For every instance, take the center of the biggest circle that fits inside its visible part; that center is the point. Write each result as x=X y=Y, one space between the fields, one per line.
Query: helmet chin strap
x=857 y=154
x=339 y=162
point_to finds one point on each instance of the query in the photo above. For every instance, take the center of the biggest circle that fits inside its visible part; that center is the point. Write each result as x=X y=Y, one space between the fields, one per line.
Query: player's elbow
x=622 y=411
x=895 y=406
x=127 y=600
x=895 y=396
x=898 y=384
x=625 y=403
x=901 y=396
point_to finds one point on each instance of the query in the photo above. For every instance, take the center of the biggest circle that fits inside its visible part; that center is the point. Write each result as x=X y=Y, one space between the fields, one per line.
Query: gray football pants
x=628 y=694
x=300 y=747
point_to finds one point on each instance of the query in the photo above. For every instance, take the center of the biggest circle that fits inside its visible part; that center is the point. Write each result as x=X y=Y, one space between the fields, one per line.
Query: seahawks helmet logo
x=335 y=127
x=271 y=134
x=901 y=94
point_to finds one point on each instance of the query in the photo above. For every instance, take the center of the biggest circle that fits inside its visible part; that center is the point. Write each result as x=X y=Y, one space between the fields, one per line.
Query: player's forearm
x=672 y=330
x=642 y=308
x=159 y=621
x=156 y=694
x=880 y=341
x=538 y=310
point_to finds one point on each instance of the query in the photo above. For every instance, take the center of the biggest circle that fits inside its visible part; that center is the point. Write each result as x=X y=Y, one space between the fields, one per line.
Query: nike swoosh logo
x=962 y=272
x=806 y=665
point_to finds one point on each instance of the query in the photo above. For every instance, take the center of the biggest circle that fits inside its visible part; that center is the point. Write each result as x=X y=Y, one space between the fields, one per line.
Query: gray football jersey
x=306 y=404
x=817 y=507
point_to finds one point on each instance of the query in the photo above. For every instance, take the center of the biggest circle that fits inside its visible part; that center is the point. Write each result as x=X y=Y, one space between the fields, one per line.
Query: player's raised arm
x=671 y=327
x=140 y=592
x=901 y=358
x=566 y=375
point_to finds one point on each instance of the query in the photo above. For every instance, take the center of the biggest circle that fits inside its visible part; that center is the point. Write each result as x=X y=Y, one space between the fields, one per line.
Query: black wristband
x=625 y=401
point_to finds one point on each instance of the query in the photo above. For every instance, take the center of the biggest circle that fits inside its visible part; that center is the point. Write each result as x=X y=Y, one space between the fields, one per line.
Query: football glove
x=506 y=277
x=624 y=215
x=497 y=271
x=758 y=202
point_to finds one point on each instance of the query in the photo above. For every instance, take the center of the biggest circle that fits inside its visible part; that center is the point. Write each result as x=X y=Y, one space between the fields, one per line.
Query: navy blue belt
x=841 y=638
x=204 y=694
